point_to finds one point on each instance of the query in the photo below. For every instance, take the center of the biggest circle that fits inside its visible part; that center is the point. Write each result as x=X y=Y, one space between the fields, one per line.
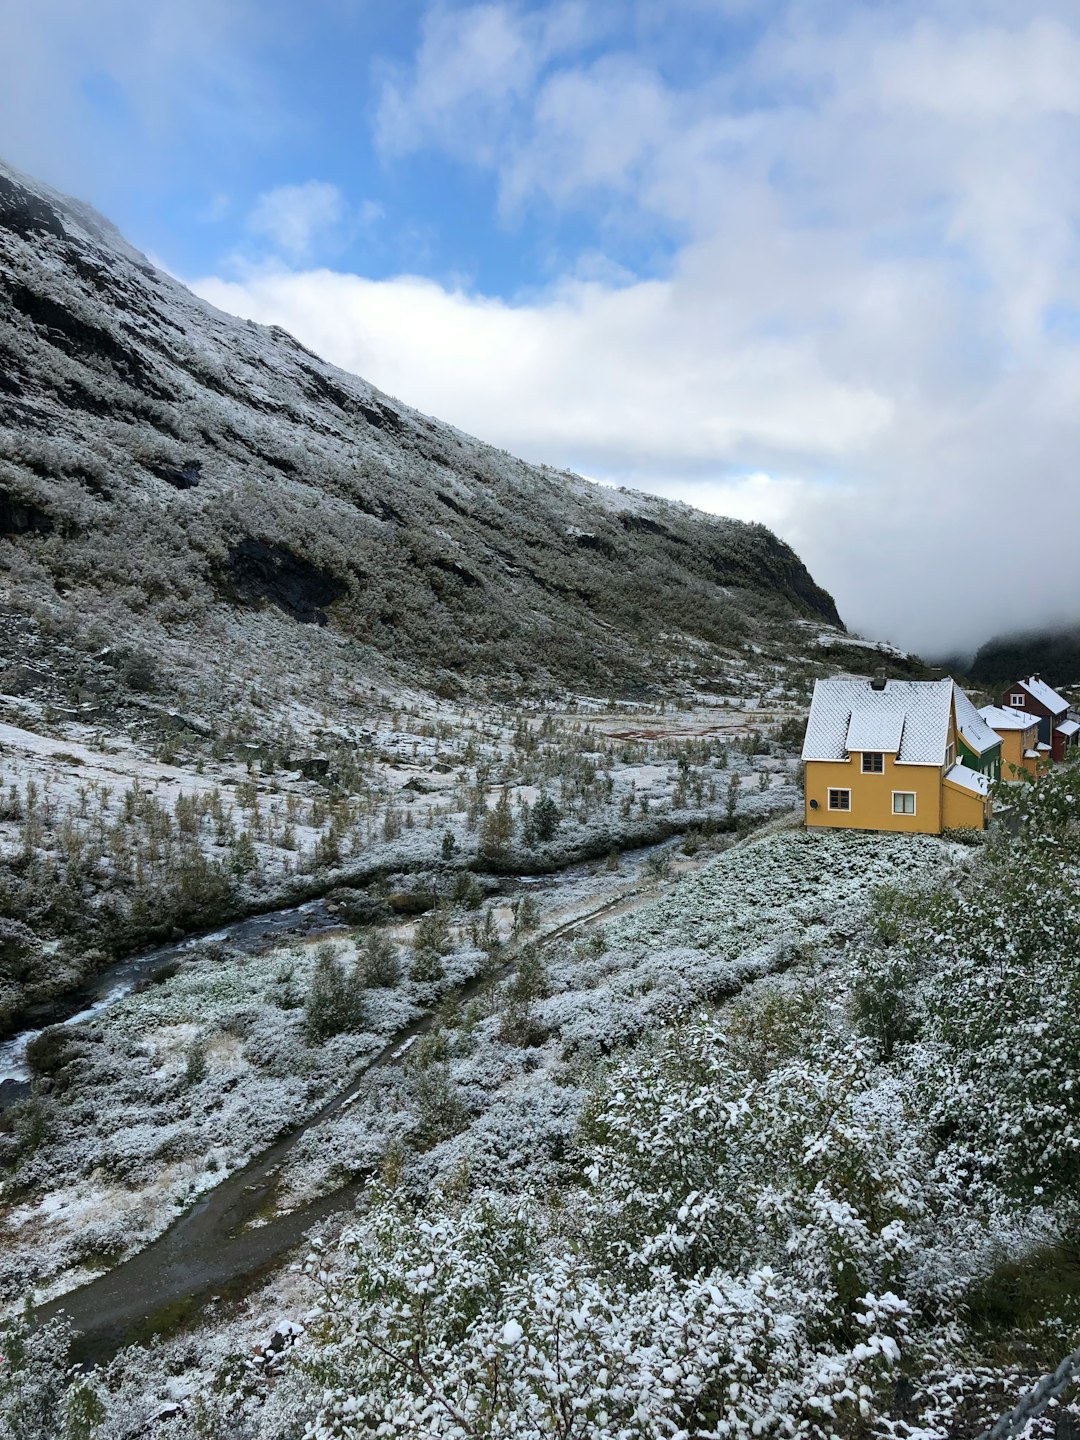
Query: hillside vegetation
x=199 y=488
x=761 y=1159
x=1052 y=653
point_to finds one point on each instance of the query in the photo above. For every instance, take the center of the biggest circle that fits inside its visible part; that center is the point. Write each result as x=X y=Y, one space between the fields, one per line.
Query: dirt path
x=213 y=1250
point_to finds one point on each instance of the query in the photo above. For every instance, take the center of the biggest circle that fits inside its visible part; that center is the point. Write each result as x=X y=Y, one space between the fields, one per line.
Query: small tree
x=484 y=934
x=431 y=941
x=245 y=857
x=546 y=818
x=335 y=1003
x=518 y=1024
x=526 y=917
x=380 y=960
x=497 y=828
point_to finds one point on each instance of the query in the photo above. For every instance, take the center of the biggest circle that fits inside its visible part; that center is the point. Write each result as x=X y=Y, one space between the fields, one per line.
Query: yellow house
x=882 y=755
x=1023 y=755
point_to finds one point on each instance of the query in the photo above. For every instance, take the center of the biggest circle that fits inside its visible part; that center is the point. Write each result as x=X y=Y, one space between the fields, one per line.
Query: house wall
x=987 y=764
x=1063 y=746
x=871 y=796
x=1034 y=708
x=1013 y=745
x=961 y=810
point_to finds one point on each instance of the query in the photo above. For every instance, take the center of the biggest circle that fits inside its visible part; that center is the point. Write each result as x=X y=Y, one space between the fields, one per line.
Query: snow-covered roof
x=959 y=774
x=978 y=735
x=844 y=710
x=875 y=730
x=1045 y=694
x=1003 y=717
x=1068 y=727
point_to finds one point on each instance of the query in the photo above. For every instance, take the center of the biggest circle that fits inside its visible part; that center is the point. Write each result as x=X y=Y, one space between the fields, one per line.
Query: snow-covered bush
x=728 y=1269
x=1002 y=1068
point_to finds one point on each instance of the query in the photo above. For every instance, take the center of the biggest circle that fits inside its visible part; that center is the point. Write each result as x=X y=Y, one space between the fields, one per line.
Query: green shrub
x=439 y=1109
x=195 y=1065
x=431 y=941
x=50 y=1050
x=379 y=961
x=335 y=1002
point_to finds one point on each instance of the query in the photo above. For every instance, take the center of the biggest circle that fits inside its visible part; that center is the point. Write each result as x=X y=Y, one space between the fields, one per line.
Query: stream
x=314 y=917
x=303 y=921
x=213 y=1251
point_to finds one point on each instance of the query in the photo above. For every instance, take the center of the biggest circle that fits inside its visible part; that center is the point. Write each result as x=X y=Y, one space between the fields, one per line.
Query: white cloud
x=295 y=218
x=90 y=88
x=473 y=64
x=876 y=214
x=637 y=377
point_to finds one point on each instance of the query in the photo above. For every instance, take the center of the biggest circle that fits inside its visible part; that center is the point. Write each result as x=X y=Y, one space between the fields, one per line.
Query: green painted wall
x=988 y=764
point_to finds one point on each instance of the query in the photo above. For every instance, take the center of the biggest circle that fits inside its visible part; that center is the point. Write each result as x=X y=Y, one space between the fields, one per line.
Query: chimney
x=879 y=682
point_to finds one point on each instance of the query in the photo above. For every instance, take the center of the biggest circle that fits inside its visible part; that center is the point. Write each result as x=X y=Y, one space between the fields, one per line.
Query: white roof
x=1068 y=727
x=1045 y=694
x=875 y=730
x=977 y=734
x=851 y=709
x=967 y=779
x=1003 y=717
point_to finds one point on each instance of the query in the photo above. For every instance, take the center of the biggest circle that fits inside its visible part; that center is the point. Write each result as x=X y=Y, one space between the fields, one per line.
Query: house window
x=903 y=802
x=873 y=762
x=839 y=799
x=950 y=754
x=1017 y=700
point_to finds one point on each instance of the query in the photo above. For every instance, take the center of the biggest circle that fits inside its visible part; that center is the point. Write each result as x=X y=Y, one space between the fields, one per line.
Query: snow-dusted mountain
x=199 y=487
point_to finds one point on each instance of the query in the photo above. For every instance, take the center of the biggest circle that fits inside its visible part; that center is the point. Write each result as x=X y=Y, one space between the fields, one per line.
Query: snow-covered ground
x=111 y=839
x=173 y=1088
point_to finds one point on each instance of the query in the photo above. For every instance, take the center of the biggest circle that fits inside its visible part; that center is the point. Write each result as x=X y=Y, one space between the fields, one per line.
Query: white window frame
x=873 y=769
x=840 y=809
x=896 y=794
x=1017 y=701
x=950 y=755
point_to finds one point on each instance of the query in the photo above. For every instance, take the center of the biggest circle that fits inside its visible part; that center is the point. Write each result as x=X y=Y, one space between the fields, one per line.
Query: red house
x=1058 y=726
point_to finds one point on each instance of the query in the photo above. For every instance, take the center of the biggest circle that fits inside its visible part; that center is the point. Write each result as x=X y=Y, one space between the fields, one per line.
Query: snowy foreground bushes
x=772 y=1221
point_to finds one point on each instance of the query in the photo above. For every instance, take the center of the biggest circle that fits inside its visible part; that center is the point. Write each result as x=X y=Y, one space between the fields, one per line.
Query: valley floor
x=693 y=1136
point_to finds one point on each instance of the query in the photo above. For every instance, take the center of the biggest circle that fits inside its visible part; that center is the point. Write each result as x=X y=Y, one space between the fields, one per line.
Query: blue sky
x=803 y=261
x=291 y=95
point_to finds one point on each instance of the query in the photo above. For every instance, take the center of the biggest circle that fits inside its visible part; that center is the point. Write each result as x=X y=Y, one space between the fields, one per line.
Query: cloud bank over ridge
x=811 y=263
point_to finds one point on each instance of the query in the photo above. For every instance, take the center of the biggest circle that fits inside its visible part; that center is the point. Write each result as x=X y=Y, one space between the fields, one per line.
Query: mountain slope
x=1053 y=653
x=198 y=486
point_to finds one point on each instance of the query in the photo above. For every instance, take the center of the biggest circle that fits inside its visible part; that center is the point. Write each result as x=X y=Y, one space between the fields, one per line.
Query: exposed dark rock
x=599 y=543
x=452 y=504
x=379 y=509
x=82 y=340
x=279 y=463
x=181 y=477
x=258 y=572
x=644 y=526
x=25 y=213
x=382 y=417
x=22 y=517
x=313 y=767
x=455 y=568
